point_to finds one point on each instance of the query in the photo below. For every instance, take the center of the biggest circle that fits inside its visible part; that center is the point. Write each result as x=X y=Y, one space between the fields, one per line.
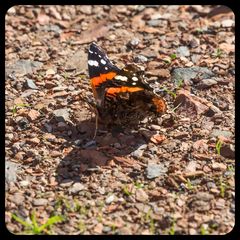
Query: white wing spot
x=90 y=51
x=100 y=56
x=95 y=53
x=122 y=78
x=93 y=63
x=134 y=83
x=103 y=62
x=106 y=68
x=134 y=78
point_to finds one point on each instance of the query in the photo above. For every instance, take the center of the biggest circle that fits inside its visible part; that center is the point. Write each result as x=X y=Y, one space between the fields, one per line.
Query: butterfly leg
x=96 y=123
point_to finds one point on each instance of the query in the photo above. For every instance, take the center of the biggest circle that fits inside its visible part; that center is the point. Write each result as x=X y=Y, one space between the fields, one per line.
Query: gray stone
x=11 y=171
x=40 y=202
x=48 y=127
x=17 y=198
x=28 y=93
x=156 y=170
x=30 y=84
x=23 y=67
x=134 y=42
x=187 y=74
x=217 y=133
x=155 y=22
x=206 y=83
x=141 y=195
x=90 y=144
x=140 y=58
x=61 y=115
x=183 y=51
x=228 y=23
x=76 y=188
x=66 y=183
x=139 y=151
x=110 y=199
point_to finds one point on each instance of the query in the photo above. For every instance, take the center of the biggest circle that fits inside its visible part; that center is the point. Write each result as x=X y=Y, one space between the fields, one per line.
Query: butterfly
x=122 y=96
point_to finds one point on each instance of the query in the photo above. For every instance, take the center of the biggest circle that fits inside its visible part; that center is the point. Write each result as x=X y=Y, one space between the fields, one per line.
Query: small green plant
x=222 y=187
x=218 y=53
x=81 y=226
x=138 y=185
x=231 y=168
x=126 y=190
x=19 y=105
x=33 y=227
x=170 y=92
x=189 y=185
x=203 y=230
x=179 y=84
x=218 y=146
x=171 y=231
x=65 y=75
x=146 y=218
x=173 y=56
x=152 y=226
x=199 y=30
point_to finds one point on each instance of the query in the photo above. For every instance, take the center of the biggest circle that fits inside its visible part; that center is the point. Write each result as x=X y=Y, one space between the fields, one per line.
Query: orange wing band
x=160 y=104
x=116 y=90
x=102 y=78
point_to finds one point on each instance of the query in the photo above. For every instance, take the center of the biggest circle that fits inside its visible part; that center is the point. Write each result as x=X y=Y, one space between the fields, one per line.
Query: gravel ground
x=173 y=175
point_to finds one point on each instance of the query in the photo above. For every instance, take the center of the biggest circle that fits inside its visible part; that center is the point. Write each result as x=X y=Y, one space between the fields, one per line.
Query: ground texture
x=172 y=175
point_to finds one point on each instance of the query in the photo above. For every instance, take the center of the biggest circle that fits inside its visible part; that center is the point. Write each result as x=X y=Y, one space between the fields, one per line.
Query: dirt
x=172 y=175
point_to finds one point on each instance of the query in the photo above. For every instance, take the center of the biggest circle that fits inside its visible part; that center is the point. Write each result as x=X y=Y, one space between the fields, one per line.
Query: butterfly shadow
x=83 y=155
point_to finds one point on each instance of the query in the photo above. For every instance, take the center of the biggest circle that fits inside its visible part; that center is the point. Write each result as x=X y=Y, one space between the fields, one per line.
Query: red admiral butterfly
x=120 y=93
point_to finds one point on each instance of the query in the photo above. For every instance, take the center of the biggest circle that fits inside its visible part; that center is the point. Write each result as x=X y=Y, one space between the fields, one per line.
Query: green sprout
x=81 y=226
x=218 y=146
x=19 y=105
x=172 y=228
x=203 y=230
x=173 y=56
x=139 y=185
x=218 y=53
x=126 y=191
x=33 y=227
x=222 y=187
x=189 y=185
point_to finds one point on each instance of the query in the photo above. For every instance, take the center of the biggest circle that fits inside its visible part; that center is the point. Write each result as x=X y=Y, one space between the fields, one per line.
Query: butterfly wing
x=108 y=81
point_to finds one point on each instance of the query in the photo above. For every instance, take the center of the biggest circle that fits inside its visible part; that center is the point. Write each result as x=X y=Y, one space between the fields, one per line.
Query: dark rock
x=228 y=151
x=23 y=123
